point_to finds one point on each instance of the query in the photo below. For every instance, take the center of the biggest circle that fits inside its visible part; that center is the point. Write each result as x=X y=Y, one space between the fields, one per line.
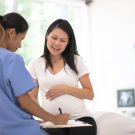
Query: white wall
x=112 y=49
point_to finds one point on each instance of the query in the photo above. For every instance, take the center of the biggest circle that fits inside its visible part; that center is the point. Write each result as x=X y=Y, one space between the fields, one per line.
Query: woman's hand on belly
x=56 y=91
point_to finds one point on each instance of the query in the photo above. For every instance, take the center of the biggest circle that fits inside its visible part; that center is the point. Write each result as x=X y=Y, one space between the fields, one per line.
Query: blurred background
x=105 y=33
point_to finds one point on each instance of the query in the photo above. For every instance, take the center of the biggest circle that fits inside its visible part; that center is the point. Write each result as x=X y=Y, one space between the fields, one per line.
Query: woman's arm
x=86 y=92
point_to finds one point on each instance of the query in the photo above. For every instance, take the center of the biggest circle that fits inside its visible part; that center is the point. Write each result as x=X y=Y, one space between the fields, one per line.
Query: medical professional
x=16 y=105
x=58 y=73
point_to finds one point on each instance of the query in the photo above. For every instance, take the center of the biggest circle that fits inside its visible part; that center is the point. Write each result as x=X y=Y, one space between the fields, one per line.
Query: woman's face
x=57 y=41
x=15 y=40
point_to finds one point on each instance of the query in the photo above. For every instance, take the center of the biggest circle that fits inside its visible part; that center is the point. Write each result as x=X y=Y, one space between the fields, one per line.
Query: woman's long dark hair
x=71 y=48
x=14 y=20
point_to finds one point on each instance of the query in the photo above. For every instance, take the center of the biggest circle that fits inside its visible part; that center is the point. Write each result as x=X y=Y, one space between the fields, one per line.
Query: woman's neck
x=55 y=59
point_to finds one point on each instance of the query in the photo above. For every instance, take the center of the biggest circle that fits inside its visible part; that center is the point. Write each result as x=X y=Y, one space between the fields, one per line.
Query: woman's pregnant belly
x=68 y=104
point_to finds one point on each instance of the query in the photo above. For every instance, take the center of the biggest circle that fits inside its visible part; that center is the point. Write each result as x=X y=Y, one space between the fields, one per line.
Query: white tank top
x=69 y=104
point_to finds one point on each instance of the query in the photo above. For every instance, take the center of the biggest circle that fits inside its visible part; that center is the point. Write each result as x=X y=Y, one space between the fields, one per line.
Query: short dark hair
x=70 y=50
x=14 y=20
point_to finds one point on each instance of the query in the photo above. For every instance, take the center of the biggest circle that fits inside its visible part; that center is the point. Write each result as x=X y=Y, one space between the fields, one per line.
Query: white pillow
x=109 y=123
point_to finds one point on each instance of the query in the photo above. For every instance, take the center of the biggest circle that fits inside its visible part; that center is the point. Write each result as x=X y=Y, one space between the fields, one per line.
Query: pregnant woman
x=57 y=74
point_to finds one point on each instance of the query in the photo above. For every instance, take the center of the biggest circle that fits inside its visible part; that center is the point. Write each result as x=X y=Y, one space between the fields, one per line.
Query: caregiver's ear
x=12 y=32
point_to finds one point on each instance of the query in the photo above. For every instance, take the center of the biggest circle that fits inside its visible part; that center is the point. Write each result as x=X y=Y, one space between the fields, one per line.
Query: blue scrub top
x=15 y=80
